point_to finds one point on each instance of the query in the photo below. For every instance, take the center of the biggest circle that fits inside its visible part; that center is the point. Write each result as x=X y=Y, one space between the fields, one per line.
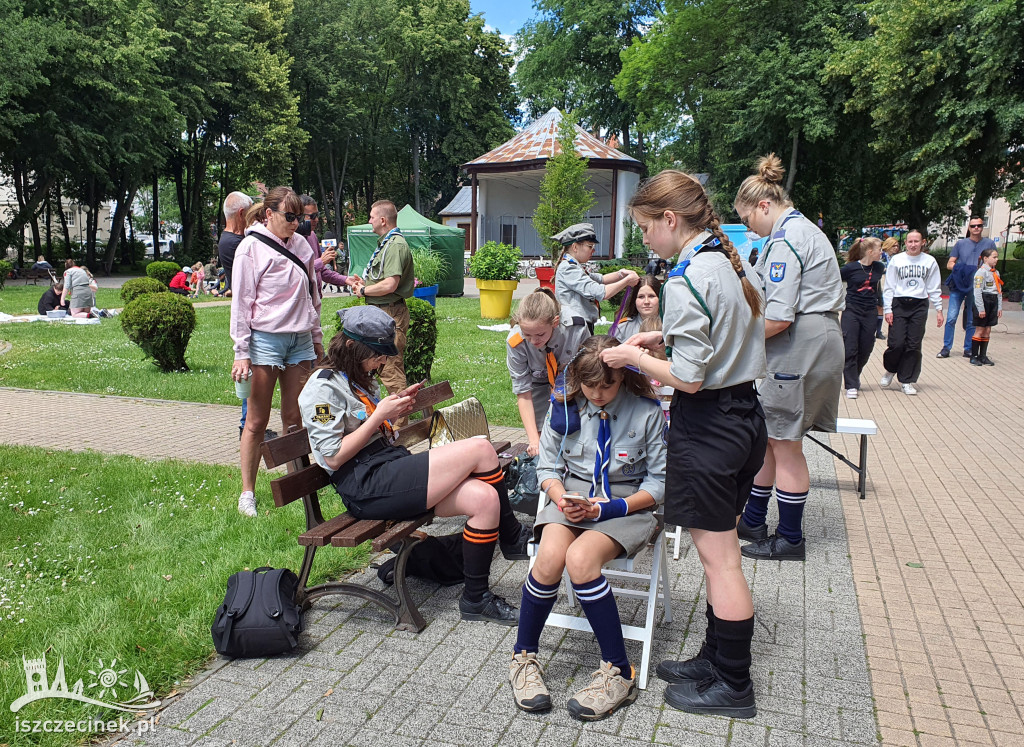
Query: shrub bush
x=163 y=271
x=1018 y=250
x=421 y=342
x=136 y=287
x=494 y=261
x=161 y=324
x=5 y=270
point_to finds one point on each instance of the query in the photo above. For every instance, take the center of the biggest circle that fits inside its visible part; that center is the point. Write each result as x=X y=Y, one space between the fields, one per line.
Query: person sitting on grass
x=181 y=283
x=51 y=300
x=351 y=436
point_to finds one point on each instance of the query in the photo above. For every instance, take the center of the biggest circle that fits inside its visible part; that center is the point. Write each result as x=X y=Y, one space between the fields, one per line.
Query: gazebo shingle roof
x=539 y=142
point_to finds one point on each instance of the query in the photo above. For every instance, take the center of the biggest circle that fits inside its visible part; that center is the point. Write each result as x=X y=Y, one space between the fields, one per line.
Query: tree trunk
x=125 y=196
x=63 y=223
x=49 y=226
x=155 y=228
x=28 y=203
x=791 y=177
x=416 y=171
x=325 y=209
x=93 y=224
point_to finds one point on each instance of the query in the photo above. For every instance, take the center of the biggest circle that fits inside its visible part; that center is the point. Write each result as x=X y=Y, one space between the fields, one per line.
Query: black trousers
x=859 y=339
x=903 y=356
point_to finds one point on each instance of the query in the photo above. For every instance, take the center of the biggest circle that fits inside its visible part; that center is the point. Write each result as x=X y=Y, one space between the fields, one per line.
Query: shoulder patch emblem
x=322 y=414
x=515 y=340
x=777 y=271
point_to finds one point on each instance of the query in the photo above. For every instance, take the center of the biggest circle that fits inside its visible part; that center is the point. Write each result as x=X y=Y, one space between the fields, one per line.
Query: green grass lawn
x=100 y=359
x=107 y=557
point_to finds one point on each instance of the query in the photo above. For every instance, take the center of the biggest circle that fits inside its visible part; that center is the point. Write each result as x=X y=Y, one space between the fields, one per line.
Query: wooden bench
x=862 y=428
x=305 y=478
x=36 y=275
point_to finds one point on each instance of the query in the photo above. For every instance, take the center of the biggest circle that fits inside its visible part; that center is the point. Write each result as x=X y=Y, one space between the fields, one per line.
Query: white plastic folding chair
x=621 y=569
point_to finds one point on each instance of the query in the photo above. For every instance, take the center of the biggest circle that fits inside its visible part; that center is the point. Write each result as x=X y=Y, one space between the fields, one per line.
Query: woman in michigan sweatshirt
x=911 y=281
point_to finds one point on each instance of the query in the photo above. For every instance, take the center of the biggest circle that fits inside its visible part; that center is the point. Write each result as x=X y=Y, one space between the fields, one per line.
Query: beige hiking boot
x=606 y=693
x=528 y=689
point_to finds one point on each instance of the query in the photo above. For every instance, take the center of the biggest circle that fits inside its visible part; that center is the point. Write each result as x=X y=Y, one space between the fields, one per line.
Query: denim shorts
x=280 y=349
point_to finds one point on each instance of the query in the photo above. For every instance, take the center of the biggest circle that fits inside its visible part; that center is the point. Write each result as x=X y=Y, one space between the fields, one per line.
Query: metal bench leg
x=862 y=477
x=407 y=615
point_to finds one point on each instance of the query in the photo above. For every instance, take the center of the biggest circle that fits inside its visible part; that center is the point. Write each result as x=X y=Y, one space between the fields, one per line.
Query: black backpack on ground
x=434 y=559
x=259 y=616
x=522 y=485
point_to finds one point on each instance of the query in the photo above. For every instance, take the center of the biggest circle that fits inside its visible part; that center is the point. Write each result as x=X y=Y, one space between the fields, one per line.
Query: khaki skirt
x=632 y=532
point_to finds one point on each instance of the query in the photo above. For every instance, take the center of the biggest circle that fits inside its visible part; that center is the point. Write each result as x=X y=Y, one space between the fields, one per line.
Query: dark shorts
x=384 y=482
x=716 y=445
x=991 y=318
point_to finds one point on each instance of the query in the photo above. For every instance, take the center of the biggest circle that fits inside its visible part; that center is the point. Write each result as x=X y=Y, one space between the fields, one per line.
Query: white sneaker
x=247 y=503
x=851 y=394
x=887 y=378
x=909 y=389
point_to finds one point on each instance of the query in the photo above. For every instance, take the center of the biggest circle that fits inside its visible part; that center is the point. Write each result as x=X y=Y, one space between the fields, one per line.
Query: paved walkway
x=908 y=609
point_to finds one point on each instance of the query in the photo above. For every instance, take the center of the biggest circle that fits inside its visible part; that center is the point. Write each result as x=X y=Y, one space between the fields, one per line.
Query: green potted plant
x=496 y=269
x=428 y=267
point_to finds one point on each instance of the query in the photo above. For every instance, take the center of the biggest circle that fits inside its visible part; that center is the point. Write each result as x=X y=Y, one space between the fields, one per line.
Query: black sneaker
x=775 y=547
x=749 y=533
x=697 y=668
x=986 y=361
x=269 y=433
x=517 y=550
x=712 y=696
x=944 y=353
x=491 y=608
x=967 y=354
x=879 y=336
x=975 y=361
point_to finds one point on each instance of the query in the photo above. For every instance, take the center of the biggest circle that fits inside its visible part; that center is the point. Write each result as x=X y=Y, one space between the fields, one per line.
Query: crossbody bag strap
x=298 y=262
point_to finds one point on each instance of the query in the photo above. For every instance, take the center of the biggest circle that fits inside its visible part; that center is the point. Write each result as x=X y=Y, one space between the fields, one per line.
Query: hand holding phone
x=577 y=499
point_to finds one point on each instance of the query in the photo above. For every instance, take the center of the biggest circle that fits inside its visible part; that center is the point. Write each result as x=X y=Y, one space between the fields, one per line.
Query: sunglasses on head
x=290 y=217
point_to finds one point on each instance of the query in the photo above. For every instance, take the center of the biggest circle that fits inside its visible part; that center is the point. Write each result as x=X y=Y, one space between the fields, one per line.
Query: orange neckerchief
x=552 y=366
x=370 y=404
x=999 y=281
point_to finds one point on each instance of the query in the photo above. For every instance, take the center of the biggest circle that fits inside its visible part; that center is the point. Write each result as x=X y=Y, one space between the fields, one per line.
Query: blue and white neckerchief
x=381 y=246
x=603 y=458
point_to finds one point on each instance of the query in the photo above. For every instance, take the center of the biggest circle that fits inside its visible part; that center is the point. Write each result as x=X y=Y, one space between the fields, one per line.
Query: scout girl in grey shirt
x=988 y=306
x=602 y=466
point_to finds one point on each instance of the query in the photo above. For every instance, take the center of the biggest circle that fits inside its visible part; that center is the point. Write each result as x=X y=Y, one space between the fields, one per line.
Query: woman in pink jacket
x=275 y=323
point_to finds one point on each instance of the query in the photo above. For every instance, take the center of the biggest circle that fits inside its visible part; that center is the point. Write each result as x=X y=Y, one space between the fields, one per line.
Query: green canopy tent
x=420 y=232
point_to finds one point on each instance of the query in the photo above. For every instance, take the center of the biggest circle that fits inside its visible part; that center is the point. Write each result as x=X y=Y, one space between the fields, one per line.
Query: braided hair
x=685 y=196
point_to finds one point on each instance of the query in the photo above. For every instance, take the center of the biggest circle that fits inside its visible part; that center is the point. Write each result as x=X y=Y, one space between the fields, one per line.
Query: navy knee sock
x=509 y=527
x=538 y=599
x=477 y=552
x=756 y=510
x=598 y=603
x=733 y=663
x=791 y=514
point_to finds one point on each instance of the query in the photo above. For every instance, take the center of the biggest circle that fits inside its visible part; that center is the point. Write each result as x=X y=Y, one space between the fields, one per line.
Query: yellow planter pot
x=496 y=297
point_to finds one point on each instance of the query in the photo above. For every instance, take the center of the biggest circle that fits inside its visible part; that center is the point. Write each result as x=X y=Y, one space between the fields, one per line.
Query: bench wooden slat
x=294 y=485
x=320 y=535
x=286 y=448
x=400 y=531
x=358 y=533
x=414 y=432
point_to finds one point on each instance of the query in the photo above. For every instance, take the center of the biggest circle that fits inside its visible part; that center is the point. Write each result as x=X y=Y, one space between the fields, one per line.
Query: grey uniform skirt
x=632 y=532
x=541 y=394
x=805 y=374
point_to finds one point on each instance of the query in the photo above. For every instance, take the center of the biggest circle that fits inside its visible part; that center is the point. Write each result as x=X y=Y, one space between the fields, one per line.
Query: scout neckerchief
x=600 y=479
x=997 y=280
x=381 y=247
x=370 y=403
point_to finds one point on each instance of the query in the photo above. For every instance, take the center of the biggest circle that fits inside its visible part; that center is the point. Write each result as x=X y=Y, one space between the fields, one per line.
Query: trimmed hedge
x=136 y=287
x=163 y=271
x=161 y=324
x=421 y=342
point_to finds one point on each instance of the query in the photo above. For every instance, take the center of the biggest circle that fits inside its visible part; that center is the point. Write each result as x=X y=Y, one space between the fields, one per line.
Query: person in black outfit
x=235 y=206
x=861 y=273
x=51 y=299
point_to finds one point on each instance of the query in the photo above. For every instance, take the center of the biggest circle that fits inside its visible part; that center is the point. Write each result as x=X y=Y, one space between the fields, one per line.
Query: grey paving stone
x=371 y=738
x=686 y=738
x=747 y=734
x=562 y=734
x=859 y=727
x=246 y=734
x=640 y=719
x=450 y=733
x=784 y=738
x=206 y=718
x=522 y=733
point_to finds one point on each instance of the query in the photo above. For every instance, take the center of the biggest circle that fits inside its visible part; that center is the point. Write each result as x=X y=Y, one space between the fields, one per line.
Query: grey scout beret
x=371 y=326
x=576 y=232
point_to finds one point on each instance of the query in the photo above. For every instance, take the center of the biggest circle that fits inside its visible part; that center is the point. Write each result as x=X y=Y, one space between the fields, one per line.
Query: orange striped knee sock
x=477 y=551
x=509 y=527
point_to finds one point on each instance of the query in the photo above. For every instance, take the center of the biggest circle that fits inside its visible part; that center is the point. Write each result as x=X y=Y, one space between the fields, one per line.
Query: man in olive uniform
x=387 y=281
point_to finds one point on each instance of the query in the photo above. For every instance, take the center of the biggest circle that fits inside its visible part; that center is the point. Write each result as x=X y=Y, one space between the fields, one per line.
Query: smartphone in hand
x=577 y=499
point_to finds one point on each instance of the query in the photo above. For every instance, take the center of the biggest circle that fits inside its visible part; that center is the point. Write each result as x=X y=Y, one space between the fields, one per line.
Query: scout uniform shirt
x=636 y=461
x=988 y=282
x=530 y=366
x=391 y=257
x=713 y=336
x=628 y=327
x=578 y=291
x=330 y=409
x=799 y=270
